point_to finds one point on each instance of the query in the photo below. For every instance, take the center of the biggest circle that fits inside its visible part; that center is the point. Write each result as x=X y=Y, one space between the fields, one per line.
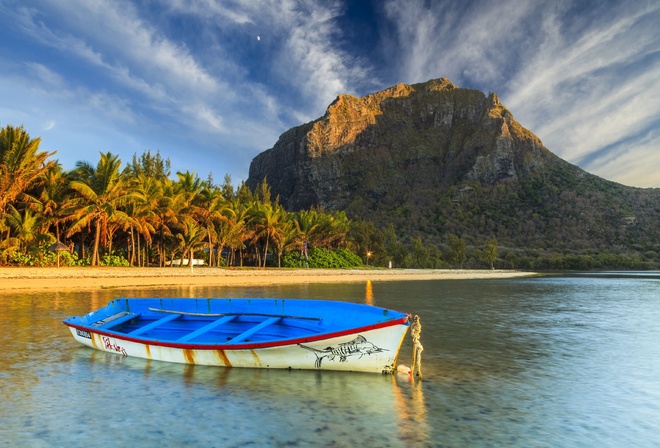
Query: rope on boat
x=415 y=333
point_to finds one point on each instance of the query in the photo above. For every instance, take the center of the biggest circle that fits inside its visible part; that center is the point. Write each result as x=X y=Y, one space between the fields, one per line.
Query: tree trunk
x=161 y=248
x=139 y=251
x=132 y=248
x=210 y=250
x=218 y=256
x=95 y=252
x=266 y=251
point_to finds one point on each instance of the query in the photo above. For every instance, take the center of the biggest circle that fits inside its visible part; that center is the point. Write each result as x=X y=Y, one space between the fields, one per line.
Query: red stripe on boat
x=280 y=343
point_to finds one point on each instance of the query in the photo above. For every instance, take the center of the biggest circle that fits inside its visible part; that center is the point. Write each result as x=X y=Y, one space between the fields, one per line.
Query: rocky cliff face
x=433 y=158
x=398 y=141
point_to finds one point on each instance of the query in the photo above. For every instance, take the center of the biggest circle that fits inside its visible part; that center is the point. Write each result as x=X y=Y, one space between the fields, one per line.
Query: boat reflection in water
x=411 y=410
x=311 y=407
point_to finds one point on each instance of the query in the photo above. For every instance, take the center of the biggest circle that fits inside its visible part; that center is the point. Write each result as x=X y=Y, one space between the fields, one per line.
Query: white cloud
x=50 y=124
x=319 y=68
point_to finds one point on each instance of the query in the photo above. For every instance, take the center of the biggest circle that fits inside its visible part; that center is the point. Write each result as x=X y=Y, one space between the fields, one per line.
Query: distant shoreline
x=75 y=278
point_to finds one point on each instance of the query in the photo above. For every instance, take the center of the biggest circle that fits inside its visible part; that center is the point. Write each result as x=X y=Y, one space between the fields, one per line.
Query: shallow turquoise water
x=567 y=361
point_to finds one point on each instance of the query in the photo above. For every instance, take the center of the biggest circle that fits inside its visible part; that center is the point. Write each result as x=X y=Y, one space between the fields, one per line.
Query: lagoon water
x=555 y=361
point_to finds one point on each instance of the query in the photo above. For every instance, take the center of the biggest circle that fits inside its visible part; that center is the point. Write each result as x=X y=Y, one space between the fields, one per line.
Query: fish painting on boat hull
x=357 y=347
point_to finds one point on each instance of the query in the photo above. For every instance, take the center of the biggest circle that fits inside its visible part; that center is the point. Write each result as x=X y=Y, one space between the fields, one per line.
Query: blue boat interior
x=229 y=321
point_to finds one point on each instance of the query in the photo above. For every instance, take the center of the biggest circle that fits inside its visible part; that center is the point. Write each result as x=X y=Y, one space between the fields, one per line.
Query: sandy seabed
x=112 y=277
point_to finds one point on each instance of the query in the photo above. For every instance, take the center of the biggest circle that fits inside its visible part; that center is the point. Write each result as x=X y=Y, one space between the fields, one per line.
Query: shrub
x=114 y=260
x=320 y=257
x=293 y=260
x=21 y=259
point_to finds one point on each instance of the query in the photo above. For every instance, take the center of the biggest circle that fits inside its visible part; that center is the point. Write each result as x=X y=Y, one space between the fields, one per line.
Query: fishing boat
x=259 y=333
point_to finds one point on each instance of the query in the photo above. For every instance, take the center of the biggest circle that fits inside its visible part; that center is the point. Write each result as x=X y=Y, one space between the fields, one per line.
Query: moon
x=258 y=38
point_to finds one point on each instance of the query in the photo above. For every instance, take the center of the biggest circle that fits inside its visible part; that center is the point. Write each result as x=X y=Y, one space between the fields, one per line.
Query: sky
x=210 y=84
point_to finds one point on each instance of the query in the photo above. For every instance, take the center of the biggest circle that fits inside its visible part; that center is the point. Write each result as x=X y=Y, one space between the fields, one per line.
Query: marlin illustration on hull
x=358 y=346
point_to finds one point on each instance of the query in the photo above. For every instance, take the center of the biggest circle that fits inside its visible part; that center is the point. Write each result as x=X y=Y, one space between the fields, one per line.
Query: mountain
x=433 y=159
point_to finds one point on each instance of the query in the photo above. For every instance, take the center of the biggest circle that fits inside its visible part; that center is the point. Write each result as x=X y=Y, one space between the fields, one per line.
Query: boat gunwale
x=405 y=320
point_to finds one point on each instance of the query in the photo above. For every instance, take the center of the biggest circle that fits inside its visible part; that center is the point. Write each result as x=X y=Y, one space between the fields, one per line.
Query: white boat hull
x=374 y=350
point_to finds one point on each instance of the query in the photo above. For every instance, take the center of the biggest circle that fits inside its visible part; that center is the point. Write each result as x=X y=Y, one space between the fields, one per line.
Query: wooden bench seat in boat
x=154 y=324
x=206 y=328
x=241 y=337
x=114 y=320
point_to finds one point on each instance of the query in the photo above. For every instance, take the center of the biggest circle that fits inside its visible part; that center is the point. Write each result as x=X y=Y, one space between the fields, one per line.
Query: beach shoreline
x=75 y=278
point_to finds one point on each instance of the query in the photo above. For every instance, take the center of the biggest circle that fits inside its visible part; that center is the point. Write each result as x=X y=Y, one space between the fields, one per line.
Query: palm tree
x=50 y=200
x=143 y=211
x=213 y=211
x=322 y=229
x=168 y=207
x=288 y=237
x=236 y=231
x=191 y=237
x=183 y=199
x=21 y=164
x=333 y=228
x=267 y=221
x=307 y=222
x=26 y=228
x=190 y=186
x=101 y=191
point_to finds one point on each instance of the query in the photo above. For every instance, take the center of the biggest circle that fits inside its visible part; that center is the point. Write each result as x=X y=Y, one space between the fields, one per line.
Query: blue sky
x=211 y=84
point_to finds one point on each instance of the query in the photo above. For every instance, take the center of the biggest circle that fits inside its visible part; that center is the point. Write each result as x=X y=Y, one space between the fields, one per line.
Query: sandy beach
x=26 y=278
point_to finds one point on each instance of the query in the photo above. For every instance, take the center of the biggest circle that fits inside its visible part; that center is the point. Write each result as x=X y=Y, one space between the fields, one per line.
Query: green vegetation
x=563 y=214
x=539 y=225
x=320 y=257
x=138 y=215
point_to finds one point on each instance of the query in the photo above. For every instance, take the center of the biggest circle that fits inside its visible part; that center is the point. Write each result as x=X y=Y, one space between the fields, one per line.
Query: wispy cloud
x=627 y=161
x=235 y=11
x=465 y=41
x=299 y=38
x=54 y=88
x=322 y=71
x=49 y=125
x=113 y=37
x=584 y=94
